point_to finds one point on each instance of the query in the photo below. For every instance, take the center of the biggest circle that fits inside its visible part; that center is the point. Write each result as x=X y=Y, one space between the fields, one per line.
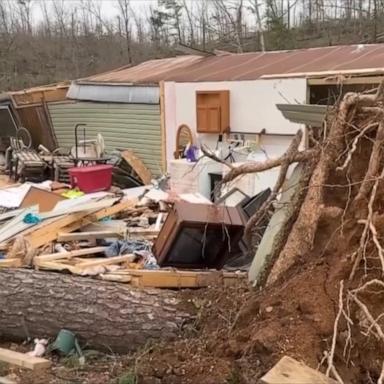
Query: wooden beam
x=163 y=131
x=10 y=263
x=290 y=371
x=54 y=266
x=5 y=380
x=72 y=222
x=116 y=277
x=50 y=229
x=367 y=71
x=69 y=255
x=349 y=80
x=105 y=261
x=180 y=279
x=23 y=360
x=88 y=235
x=138 y=166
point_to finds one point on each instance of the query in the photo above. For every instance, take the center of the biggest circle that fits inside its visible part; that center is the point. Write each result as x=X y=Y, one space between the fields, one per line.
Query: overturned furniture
x=199 y=236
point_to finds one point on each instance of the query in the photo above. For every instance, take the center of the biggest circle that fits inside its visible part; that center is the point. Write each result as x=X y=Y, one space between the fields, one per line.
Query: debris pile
x=322 y=290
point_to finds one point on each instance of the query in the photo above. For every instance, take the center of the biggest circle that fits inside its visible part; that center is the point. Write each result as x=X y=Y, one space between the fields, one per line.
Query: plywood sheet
x=44 y=199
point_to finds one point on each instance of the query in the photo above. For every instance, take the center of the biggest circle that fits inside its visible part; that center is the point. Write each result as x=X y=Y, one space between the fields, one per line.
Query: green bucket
x=65 y=343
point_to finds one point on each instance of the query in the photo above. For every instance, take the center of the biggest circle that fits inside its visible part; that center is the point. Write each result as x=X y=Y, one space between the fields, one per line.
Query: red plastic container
x=93 y=178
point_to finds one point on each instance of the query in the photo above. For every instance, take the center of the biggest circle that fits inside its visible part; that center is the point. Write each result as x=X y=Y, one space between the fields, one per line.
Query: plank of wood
x=5 y=380
x=367 y=71
x=106 y=261
x=71 y=254
x=116 y=277
x=23 y=360
x=73 y=222
x=44 y=199
x=163 y=130
x=10 y=263
x=126 y=205
x=88 y=235
x=348 y=80
x=49 y=231
x=290 y=371
x=180 y=279
x=138 y=166
x=54 y=266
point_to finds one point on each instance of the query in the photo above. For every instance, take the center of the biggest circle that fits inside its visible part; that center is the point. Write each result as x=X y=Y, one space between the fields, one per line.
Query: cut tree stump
x=106 y=315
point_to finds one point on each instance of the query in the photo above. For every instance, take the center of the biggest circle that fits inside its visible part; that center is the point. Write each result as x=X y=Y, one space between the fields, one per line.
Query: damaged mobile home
x=182 y=173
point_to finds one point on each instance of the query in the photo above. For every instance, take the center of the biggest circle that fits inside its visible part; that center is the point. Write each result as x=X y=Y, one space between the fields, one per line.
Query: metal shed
x=123 y=126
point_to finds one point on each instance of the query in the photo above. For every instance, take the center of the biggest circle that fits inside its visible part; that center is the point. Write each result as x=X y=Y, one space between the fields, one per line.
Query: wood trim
x=349 y=80
x=163 y=129
x=356 y=72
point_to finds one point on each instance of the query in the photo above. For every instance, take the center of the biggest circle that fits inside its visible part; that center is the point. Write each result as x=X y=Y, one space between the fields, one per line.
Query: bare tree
x=125 y=17
x=255 y=8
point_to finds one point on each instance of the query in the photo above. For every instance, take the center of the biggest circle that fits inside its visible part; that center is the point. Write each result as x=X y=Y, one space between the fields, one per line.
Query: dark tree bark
x=105 y=315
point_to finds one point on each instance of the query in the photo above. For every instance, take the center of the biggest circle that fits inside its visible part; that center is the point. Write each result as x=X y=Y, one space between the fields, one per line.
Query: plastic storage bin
x=93 y=178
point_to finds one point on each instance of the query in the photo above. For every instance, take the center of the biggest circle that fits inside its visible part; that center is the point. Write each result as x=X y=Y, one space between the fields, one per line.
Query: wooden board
x=290 y=371
x=88 y=235
x=138 y=166
x=23 y=360
x=44 y=199
x=54 y=266
x=72 y=222
x=69 y=255
x=10 y=263
x=106 y=261
x=178 y=279
x=5 y=380
x=163 y=131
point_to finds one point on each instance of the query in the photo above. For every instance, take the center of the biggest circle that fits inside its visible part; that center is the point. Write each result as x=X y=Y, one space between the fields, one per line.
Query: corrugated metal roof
x=149 y=72
x=251 y=66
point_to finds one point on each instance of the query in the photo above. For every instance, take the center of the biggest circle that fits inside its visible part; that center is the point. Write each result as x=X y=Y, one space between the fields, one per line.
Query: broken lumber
x=78 y=236
x=106 y=315
x=106 y=261
x=23 y=360
x=10 y=263
x=49 y=230
x=69 y=255
x=290 y=371
x=138 y=166
x=144 y=278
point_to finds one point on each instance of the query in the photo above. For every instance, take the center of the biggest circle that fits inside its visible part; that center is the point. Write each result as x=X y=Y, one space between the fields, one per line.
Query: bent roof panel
x=251 y=66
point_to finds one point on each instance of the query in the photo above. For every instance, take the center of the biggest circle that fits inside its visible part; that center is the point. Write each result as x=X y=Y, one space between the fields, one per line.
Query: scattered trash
x=40 y=347
x=31 y=218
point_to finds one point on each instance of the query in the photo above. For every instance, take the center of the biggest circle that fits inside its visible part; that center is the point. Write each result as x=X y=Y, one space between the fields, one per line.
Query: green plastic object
x=66 y=343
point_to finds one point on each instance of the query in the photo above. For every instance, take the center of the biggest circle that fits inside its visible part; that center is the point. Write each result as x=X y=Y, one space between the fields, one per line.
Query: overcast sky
x=109 y=7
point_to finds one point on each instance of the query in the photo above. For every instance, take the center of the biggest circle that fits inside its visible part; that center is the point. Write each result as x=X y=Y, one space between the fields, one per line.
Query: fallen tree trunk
x=104 y=314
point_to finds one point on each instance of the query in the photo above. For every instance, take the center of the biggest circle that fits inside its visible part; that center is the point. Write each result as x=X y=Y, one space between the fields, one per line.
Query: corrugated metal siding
x=123 y=126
